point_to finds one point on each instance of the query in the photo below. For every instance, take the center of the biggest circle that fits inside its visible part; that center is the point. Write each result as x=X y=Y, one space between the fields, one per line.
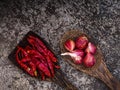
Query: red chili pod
x=22 y=65
x=44 y=69
x=50 y=64
x=25 y=59
x=35 y=54
x=23 y=51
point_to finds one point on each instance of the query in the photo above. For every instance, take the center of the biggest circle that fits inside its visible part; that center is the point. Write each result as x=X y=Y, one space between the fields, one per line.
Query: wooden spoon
x=59 y=78
x=99 y=70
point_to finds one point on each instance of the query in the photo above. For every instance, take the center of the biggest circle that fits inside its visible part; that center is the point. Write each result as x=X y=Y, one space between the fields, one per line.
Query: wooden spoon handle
x=61 y=80
x=104 y=74
x=115 y=84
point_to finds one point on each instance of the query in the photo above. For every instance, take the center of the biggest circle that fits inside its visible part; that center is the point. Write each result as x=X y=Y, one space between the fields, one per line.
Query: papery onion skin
x=76 y=55
x=89 y=60
x=81 y=42
x=78 y=60
x=91 y=48
x=79 y=52
x=69 y=45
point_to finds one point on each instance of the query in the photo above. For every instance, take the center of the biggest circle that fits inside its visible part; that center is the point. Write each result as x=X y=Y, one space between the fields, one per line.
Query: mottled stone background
x=50 y=19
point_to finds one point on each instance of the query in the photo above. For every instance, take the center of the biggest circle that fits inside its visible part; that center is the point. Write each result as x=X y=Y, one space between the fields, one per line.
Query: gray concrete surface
x=50 y=19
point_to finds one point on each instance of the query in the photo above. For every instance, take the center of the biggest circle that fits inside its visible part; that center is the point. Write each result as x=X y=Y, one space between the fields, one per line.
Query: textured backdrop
x=50 y=19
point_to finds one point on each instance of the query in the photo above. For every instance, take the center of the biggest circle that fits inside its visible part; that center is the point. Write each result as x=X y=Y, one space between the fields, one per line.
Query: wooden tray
x=59 y=78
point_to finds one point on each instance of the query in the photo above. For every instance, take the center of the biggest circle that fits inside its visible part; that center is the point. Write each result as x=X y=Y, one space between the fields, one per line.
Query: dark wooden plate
x=59 y=78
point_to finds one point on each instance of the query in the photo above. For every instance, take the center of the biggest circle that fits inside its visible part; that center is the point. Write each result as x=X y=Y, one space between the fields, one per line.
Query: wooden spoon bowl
x=99 y=70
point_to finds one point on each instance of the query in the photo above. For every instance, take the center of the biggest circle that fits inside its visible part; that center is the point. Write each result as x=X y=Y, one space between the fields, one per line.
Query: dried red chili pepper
x=28 y=48
x=36 y=46
x=23 y=51
x=33 y=68
x=22 y=65
x=38 y=41
x=41 y=47
x=44 y=69
x=35 y=54
x=25 y=59
x=36 y=58
x=48 y=57
x=50 y=64
x=56 y=66
x=52 y=57
x=46 y=50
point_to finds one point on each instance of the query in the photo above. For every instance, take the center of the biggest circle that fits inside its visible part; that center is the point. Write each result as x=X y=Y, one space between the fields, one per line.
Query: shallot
x=81 y=51
x=77 y=55
x=89 y=60
x=81 y=42
x=91 y=48
x=69 y=45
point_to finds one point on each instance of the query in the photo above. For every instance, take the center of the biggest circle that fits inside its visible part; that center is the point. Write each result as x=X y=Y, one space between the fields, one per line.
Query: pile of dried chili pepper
x=36 y=59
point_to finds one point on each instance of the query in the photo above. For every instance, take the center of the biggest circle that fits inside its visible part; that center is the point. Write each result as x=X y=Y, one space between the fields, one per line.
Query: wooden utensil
x=99 y=70
x=59 y=78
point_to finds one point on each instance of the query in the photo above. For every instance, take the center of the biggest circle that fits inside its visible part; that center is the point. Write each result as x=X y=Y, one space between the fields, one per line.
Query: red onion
x=91 y=48
x=77 y=55
x=69 y=45
x=81 y=42
x=89 y=60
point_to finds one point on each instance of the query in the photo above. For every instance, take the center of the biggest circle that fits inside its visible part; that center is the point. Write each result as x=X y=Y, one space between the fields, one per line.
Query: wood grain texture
x=59 y=78
x=99 y=70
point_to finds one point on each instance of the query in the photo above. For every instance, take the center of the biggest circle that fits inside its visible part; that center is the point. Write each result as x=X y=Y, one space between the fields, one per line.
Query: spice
x=81 y=42
x=91 y=48
x=36 y=59
x=82 y=52
x=69 y=45
x=89 y=60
